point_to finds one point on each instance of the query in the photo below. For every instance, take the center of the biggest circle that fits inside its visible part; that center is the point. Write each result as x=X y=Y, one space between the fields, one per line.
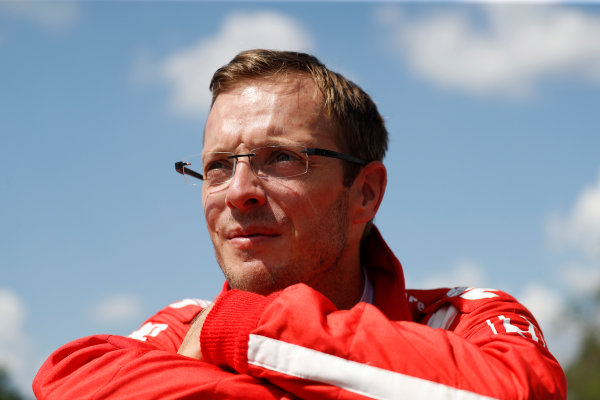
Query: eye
x=218 y=164
x=217 y=170
x=283 y=156
x=217 y=167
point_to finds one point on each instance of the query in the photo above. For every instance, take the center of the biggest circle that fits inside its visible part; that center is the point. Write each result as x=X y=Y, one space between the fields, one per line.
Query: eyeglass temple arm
x=334 y=154
x=180 y=166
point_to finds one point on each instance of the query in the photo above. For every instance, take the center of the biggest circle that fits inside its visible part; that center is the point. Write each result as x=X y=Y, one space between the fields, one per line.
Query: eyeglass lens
x=266 y=162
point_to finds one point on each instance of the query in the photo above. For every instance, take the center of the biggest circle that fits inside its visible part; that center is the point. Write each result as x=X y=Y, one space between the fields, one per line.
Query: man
x=314 y=304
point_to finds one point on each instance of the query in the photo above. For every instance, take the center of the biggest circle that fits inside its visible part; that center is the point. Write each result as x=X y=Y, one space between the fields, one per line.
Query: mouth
x=251 y=236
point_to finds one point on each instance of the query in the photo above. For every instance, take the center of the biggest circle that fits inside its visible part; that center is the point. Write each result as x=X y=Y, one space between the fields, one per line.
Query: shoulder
x=472 y=311
x=173 y=319
x=465 y=299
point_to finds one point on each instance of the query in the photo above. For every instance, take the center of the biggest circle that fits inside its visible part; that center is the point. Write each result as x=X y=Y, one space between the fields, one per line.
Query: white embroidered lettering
x=492 y=327
x=478 y=294
x=510 y=328
x=191 y=302
x=149 y=329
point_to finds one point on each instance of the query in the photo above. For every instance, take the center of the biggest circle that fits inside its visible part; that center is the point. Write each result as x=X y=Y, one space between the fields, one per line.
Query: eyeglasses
x=266 y=162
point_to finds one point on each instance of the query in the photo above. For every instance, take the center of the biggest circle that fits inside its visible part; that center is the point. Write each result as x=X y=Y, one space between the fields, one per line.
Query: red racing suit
x=461 y=343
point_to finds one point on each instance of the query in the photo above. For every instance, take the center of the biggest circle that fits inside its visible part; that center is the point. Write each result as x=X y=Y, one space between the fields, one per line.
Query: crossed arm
x=295 y=344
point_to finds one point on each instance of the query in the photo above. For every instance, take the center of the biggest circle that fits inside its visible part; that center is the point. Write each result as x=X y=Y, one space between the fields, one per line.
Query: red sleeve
x=143 y=366
x=298 y=341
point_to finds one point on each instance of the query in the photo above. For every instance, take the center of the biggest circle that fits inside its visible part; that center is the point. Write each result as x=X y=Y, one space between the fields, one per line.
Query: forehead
x=268 y=111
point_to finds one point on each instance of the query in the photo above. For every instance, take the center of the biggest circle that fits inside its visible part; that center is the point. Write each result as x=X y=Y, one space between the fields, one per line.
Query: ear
x=368 y=190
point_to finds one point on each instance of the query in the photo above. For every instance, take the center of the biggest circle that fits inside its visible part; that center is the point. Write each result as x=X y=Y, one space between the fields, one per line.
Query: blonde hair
x=361 y=129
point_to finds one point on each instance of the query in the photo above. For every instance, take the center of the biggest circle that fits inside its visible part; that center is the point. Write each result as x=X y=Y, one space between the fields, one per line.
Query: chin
x=262 y=287
x=251 y=277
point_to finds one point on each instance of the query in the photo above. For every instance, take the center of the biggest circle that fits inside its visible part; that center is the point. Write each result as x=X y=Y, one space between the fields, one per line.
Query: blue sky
x=494 y=167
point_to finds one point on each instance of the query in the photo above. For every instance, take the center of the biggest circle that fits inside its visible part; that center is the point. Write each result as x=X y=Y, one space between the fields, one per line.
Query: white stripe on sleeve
x=443 y=317
x=363 y=379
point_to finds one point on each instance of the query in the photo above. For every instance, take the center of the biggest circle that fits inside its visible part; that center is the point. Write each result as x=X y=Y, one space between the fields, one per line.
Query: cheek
x=305 y=208
x=286 y=201
x=212 y=210
x=289 y=201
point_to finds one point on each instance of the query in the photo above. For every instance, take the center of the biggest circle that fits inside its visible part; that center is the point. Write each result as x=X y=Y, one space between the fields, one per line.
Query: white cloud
x=508 y=52
x=575 y=234
x=117 y=308
x=544 y=303
x=579 y=229
x=464 y=272
x=15 y=345
x=562 y=333
x=12 y=315
x=45 y=13
x=580 y=279
x=188 y=71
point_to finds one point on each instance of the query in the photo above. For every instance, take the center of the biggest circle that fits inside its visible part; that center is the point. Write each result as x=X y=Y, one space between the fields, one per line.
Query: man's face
x=271 y=233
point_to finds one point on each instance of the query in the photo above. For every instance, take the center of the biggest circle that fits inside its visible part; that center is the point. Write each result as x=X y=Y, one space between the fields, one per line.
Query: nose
x=245 y=189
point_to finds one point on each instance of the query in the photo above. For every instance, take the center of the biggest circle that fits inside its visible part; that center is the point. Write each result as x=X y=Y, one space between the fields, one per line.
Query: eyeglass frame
x=309 y=151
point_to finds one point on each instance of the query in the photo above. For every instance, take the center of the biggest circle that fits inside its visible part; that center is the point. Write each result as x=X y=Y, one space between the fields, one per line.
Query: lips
x=252 y=240
x=251 y=233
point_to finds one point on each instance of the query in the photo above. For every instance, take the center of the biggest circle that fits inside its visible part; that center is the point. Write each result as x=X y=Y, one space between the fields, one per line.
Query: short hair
x=361 y=129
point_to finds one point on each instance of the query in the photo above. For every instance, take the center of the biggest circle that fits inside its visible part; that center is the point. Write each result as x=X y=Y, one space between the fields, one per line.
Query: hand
x=191 y=343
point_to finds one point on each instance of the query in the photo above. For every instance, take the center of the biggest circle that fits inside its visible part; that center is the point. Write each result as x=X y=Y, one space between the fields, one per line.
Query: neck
x=350 y=294
x=343 y=286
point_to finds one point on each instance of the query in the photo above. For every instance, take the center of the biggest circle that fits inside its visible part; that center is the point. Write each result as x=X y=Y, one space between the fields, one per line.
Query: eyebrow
x=259 y=145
